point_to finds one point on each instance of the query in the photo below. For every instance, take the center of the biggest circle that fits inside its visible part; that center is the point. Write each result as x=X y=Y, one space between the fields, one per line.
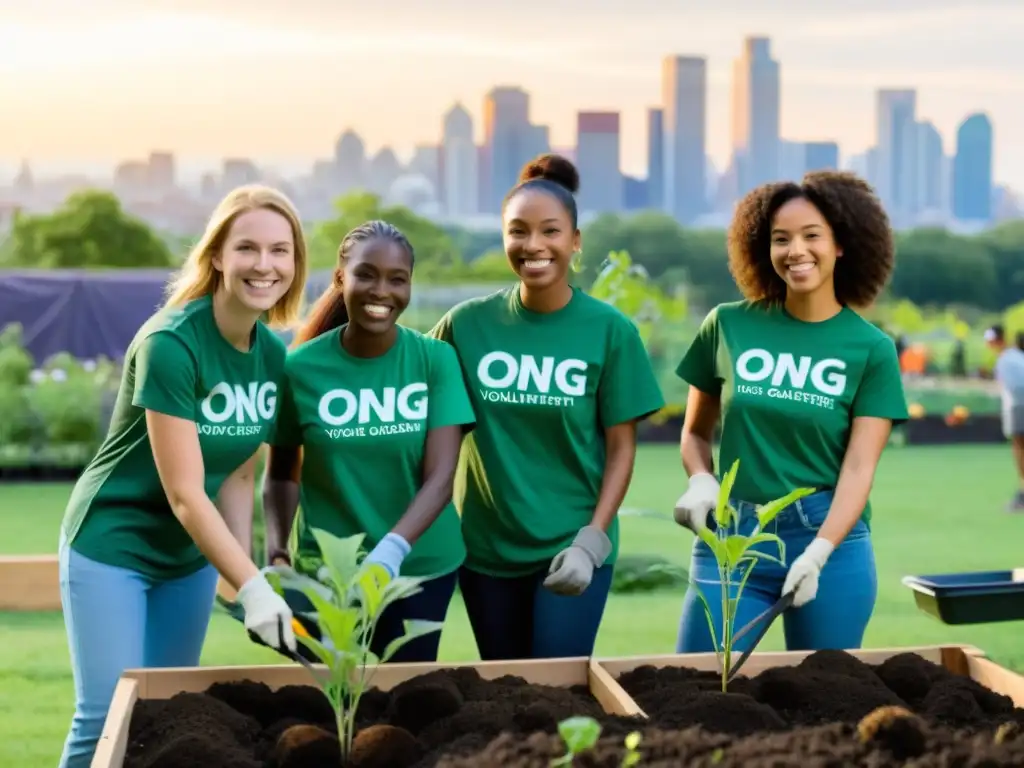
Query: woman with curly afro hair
x=807 y=392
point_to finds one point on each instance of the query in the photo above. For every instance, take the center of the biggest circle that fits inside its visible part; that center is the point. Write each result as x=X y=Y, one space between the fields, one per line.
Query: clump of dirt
x=444 y=713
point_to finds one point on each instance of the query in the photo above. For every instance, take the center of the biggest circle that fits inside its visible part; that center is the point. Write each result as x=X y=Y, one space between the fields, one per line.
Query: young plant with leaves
x=736 y=555
x=581 y=733
x=348 y=600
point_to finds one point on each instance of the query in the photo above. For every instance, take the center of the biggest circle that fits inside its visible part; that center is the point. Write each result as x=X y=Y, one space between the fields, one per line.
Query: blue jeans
x=834 y=620
x=518 y=618
x=118 y=619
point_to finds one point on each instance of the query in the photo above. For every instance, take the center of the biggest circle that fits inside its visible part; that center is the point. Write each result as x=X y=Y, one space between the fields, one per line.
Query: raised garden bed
x=415 y=714
x=29 y=583
x=935 y=706
x=932 y=706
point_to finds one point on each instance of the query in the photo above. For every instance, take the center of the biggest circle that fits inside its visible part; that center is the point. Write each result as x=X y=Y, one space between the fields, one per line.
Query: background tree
x=89 y=231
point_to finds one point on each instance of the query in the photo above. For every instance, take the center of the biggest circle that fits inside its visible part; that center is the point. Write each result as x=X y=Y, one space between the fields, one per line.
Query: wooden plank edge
x=760 y=661
x=612 y=696
x=996 y=678
x=113 y=743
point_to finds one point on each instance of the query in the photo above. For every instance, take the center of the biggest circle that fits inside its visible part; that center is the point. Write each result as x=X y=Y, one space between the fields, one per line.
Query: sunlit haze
x=279 y=81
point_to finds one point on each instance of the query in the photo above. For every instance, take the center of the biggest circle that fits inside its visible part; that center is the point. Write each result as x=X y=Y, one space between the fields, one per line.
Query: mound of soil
x=827 y=687
x=445 y=714
x=829 y=711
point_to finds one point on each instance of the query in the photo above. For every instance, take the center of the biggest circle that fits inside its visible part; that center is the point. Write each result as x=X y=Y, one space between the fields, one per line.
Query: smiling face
x=257 y=260
x=539 y=239
x=803 y=249
x=377 y=284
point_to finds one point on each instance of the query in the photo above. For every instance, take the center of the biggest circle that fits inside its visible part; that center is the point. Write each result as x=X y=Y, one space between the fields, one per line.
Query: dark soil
x=831 y=711
x=450 y=713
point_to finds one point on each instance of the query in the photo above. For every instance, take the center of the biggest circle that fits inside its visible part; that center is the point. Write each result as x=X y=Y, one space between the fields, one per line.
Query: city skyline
x=828 y=89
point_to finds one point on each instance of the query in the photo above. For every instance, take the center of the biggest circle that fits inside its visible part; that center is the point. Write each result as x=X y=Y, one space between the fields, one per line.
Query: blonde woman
x=144 y=535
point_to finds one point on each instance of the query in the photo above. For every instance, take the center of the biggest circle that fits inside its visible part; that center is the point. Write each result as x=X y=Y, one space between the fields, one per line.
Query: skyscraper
x=896 y=140
x=972 y=169
x=458 y=149
x=684 y=125
x=598 y=141
x=655 y=160
x=755 y=115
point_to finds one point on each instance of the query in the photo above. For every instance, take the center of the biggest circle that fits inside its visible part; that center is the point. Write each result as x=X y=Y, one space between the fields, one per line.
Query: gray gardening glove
x=573 y=568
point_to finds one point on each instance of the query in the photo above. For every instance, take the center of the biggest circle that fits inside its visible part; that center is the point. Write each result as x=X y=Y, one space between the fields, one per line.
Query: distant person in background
x=807 y=392
x=559 y=381
x=1009 y=373
x=144 y=535
x=958 y=359
x=371 y=420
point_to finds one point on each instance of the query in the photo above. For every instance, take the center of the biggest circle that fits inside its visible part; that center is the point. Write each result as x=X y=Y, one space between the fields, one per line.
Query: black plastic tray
x=981 y=597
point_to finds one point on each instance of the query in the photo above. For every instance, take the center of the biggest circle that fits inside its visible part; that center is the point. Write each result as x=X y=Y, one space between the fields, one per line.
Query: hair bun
x=553 y=168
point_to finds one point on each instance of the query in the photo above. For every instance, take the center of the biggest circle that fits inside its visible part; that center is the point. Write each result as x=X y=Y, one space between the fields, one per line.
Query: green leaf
x=724 y=513
x=716 y=545
x=337 y=623
x=768 y=538
x=323 y=653
x=283 y=577
x=579 y=733
x=413 y=628
x=371 y=583
x=768 y=512
x=341 y=556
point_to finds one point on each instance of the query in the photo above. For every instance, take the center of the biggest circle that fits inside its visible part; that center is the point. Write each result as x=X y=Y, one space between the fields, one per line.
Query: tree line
x=934 y=267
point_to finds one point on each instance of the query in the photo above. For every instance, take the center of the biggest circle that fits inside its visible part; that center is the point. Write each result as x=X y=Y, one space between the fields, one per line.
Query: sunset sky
x=85 y=82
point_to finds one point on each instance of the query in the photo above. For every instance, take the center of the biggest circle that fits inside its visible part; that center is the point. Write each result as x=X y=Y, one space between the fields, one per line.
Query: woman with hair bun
x=559 y=381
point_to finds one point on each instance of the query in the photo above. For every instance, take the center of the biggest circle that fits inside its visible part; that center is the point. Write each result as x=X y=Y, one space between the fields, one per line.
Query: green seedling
x=735 y=553
x=348 y=603
x=579 y=734
x=632 y=744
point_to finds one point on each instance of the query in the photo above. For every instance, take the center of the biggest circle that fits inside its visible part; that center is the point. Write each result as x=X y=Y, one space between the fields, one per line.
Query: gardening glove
x=802 y=579
x=267 y=615
x=573 y=568
x=390 y=552
x=699 y=501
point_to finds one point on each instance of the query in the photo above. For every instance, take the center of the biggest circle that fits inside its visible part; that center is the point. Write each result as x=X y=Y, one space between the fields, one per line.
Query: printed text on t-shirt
x=785 y=377
x=528 y=380
x=367 y=413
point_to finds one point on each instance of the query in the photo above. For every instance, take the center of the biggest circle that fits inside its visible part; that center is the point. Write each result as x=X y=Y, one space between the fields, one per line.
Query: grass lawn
x=936 y=510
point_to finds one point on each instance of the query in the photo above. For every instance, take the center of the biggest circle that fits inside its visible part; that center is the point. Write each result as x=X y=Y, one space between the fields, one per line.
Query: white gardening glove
x=698 y=502
x=267 y=615
x=802 y=578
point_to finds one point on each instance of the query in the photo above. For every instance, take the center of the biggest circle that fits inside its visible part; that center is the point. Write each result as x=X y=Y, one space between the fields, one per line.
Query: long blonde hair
x=198 y=277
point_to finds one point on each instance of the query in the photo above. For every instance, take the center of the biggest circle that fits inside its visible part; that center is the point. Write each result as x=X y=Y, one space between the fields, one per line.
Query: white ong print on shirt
x=391 y=412
x=786 y=377
x=529 y=380
x=236 y=410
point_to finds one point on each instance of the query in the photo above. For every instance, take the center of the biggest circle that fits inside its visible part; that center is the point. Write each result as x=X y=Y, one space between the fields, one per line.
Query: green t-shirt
x=790 y=391
x=178 y=364
x=363 y=425
x=544 y=387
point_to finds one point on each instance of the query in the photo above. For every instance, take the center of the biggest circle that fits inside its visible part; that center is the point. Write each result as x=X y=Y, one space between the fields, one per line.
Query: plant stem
x=726 y=625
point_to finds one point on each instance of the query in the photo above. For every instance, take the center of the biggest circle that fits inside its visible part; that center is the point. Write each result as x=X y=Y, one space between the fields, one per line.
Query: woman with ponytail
x=382 y=410
x=559 y=381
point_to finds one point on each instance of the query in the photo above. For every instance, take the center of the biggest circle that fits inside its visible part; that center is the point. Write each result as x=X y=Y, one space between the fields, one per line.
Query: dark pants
x=430 y=604
x=518 y=618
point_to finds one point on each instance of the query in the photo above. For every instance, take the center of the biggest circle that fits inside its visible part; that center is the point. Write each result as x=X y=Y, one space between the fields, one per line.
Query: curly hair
x=860 y=227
